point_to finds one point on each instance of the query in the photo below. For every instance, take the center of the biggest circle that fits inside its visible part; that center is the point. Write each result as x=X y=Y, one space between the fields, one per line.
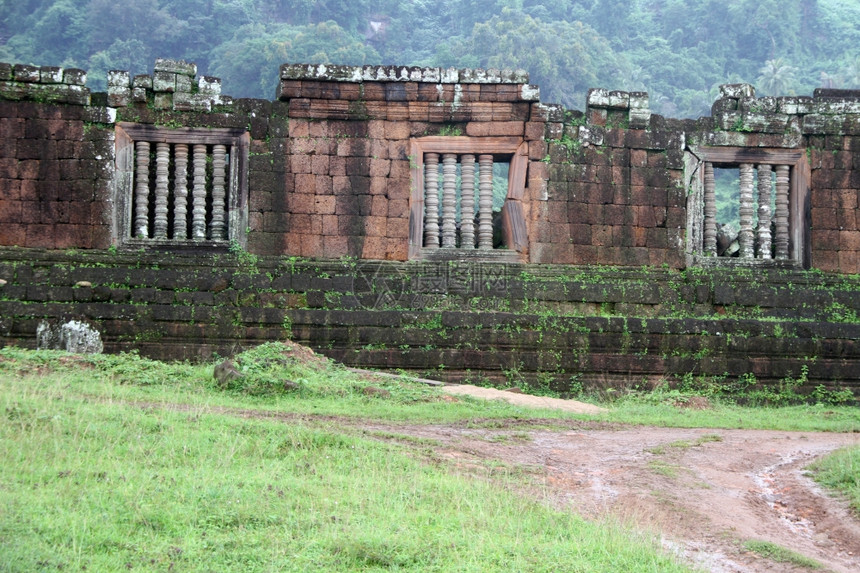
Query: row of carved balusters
x=754 y=241
x=200 y=190
x=446 y=232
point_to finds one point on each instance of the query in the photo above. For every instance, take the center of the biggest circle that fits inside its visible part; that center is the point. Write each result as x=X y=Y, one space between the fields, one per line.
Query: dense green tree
x=852 y=71
x=776 y=77
x=565 y=59
x=53 y=33
x=677 y=50
x=250 y=61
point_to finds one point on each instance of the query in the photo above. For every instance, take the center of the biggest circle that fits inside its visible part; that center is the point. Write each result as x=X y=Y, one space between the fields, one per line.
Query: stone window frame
x=514 y=229
x=799 y=253
x=236 y=220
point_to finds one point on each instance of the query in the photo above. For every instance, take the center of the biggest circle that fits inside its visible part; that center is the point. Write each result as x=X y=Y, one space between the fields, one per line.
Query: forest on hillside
x=679 y=51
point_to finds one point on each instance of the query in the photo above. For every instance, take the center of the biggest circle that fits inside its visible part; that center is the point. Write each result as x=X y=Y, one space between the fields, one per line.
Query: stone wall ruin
x=338 y=214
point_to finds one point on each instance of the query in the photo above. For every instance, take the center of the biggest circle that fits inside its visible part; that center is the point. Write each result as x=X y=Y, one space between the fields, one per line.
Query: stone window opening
x=748 y=206
x=181 y=186
x=453 y=176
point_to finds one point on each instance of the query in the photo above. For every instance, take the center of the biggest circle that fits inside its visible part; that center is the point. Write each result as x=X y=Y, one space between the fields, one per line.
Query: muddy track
x=705 y=491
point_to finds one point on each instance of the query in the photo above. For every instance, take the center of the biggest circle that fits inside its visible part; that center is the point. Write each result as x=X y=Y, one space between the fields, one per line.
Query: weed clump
x=287 y=368
x=271 y=368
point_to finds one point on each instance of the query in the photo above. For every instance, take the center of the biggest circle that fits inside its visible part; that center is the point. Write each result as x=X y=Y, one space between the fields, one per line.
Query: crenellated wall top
x=359 y=74
x=46 y=83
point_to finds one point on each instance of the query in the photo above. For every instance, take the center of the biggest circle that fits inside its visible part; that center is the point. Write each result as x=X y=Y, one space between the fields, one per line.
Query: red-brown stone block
x=847 y=198
x=330 y=225
x=337 y=165
x=379 y=168
x=323 y=185
x=325 y=204
x=31 y=212
x=824 y=218
x=306 y=183
x=39 y=236
x=495 y=128
x=301 y=163
x=823 y=198
x=379 y=206
x=375 y=247
x=12 y=234
x=397 y=250
x=849 y=262
x=398 y=150
x=827 y=261
x=847 y=219
x=340 y=185
x=334 y=246
x=10 y=190
x=302 y=203
x=376 y=226
x=320 y=165
x=419 y=111
x=398 y=228
x=849 y=240
x=10 y=211
x=397 y=130
x=399 y=169
x=398 y=208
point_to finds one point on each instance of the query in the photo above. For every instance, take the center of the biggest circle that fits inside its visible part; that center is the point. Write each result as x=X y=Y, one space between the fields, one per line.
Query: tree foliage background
x=679 y=51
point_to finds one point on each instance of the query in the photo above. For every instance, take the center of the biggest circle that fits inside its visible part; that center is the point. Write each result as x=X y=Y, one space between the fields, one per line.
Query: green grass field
x=117 y=463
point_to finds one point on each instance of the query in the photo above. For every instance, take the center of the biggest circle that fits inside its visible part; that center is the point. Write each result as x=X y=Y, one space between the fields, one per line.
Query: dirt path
x=705 y=491
x=523 y=399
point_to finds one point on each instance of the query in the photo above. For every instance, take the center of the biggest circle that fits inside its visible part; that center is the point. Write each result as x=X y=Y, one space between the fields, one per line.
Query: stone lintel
x=118 y=78
x=180 y=67
x=74 y=77
x=142 y=81
x=209 y=85
x=358 y=74
x=54 y=93
x=795 y=105
x=737 y=91
x=164 y=82
x=822 y=93
x=51 y=75
x=25 y=73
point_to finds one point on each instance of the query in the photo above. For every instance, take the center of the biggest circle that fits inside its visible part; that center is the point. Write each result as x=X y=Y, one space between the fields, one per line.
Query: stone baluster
x=141 y=191
x=218 y=227
x=449 y=200
x=162 y=166
x=431 y=200
x=781 y=212
x=764 y=214
x=485 y=202
x=198 y=197
x=710 y=212
x=180 y=191
x=746 y=237
x=467 y=202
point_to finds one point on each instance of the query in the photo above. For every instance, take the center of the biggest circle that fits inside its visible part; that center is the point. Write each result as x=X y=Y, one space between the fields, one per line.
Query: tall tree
x=249 y=63
x=776 y=77
x=565 y=59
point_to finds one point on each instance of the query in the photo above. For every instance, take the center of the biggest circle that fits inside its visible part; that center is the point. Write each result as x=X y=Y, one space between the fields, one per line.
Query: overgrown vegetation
x=116 y=462
x=841 y=473
x=744 y=390
x=102 y=474
x=780 y=554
